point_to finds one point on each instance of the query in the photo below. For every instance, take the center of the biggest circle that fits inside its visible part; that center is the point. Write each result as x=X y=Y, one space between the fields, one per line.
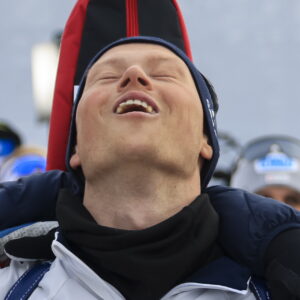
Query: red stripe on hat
x=64 y=85
x=187 y=45
x=132 y=20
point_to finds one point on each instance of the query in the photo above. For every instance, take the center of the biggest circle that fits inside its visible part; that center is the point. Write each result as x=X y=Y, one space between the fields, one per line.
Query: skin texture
x=140 y=168
x=283 y=194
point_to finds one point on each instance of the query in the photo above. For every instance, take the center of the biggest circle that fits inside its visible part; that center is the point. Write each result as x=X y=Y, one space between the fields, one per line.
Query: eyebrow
x=119 y=61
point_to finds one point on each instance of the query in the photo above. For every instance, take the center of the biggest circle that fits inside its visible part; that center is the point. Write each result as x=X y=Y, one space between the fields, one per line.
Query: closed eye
x=162 y=76
x=109 y=78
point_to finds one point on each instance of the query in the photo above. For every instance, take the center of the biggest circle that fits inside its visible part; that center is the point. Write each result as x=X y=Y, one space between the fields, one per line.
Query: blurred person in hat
x=9 y=140
x=24 y=161
x=270 y=166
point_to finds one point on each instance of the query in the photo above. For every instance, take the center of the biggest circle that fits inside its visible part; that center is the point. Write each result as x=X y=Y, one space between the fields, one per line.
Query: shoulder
x=252 y=220
x=227 y=198
x=31 y=198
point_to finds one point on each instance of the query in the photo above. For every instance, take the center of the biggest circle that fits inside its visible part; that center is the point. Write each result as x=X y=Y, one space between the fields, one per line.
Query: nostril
x=134 y=79
x=125 y=82
x=142 y=81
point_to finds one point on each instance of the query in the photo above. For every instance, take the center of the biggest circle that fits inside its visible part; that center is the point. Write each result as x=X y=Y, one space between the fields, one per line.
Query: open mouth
x=135 y=105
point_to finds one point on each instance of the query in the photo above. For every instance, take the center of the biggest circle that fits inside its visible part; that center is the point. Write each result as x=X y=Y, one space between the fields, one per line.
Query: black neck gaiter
x=142 y=264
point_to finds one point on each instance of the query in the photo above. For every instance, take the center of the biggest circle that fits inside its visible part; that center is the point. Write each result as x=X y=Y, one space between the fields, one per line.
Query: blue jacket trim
x=259 y=288
x=27 y=283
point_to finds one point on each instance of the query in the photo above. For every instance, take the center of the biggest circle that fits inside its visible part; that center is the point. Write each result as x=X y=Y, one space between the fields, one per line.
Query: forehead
x=139 y=52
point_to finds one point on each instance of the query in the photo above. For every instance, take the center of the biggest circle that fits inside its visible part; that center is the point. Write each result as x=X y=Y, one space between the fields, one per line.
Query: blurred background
x=249 y=49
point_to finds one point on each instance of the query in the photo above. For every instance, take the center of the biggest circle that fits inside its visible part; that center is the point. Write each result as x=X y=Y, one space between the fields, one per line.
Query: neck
x=136 y=199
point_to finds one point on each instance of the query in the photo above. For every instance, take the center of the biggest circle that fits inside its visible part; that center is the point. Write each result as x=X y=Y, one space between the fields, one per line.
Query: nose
x=135 y=76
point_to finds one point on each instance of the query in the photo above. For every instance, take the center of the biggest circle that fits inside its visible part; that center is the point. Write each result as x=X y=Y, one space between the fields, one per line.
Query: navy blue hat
x=205 y=91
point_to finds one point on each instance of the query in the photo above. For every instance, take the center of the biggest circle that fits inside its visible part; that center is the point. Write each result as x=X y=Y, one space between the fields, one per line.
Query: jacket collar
x=221 y=274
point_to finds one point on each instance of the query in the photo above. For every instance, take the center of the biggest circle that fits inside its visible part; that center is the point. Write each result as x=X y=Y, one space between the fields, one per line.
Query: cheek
x=191 y=114
x=94 y=99
x=86 y=121
x=91 y=107
x=82 y=117
x=191 y=120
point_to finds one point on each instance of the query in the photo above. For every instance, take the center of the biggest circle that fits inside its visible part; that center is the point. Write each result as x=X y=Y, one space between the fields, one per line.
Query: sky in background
x=249 y=49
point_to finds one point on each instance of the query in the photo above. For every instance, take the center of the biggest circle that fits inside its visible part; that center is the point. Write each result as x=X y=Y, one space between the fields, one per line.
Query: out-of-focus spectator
x=9 y=140
x=229 y=152
x=270 y=166
x=23 y=161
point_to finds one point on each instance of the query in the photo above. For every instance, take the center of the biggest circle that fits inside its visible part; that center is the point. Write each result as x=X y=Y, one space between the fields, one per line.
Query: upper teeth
x=122 y=106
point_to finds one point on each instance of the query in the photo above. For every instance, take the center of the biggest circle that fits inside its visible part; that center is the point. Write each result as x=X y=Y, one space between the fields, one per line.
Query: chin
x=138 y=151
x=137 y=141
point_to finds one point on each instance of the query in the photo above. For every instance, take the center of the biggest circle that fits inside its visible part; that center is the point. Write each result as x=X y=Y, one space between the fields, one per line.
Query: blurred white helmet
x=268 y=161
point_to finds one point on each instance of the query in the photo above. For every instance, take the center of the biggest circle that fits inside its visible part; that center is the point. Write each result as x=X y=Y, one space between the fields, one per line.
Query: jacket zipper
x=132 y=19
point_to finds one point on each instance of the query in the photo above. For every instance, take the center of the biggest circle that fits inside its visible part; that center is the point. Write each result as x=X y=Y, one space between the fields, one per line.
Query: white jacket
x=70 y=278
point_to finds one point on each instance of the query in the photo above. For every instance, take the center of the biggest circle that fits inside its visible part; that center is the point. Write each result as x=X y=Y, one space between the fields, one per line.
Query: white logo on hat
x=276 y=161
x=212 y=115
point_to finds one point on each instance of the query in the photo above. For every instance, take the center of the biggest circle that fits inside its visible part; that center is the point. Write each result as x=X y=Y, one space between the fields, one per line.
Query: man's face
x=139 y=104
x=283 y=194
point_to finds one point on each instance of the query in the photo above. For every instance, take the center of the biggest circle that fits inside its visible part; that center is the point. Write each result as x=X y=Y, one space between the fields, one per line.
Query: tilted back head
x=205 y=91
x=92 y=25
